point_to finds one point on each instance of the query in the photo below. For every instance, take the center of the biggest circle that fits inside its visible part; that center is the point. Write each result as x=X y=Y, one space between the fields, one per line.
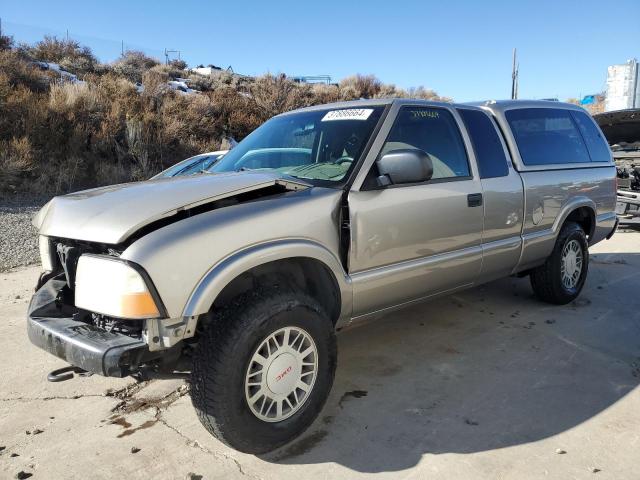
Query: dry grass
x=74 y=97
x=16 y=159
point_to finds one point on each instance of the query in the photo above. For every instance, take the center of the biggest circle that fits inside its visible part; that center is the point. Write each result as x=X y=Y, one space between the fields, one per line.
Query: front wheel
x=562 y=276
x=263 y=371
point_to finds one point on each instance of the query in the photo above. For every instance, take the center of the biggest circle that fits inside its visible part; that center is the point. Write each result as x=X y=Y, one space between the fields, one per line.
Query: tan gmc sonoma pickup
x=320 y=218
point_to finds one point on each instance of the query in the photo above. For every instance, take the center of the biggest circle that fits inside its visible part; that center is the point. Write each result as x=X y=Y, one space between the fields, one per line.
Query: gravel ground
x=18 y=237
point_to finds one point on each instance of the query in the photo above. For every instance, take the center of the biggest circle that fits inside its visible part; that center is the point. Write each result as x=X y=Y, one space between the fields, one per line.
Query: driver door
x=413 y=241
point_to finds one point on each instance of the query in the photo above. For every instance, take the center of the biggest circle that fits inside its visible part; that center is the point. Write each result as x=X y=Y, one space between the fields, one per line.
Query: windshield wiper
x=303 y=168
x=316 y=170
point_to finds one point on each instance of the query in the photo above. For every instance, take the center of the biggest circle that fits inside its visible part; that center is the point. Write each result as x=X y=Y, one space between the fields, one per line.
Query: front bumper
x=56 y=328
x=615 y=228
x=628 y=207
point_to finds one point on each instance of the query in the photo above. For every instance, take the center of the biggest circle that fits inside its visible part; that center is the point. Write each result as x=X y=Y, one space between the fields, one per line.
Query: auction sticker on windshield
x=350 y=114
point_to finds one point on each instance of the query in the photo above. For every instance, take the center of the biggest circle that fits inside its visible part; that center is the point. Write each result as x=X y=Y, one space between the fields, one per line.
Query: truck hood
x=621 y=126
x=112 y=214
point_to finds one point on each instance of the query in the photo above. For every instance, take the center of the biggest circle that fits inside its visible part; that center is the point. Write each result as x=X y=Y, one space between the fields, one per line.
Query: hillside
x=68 y=121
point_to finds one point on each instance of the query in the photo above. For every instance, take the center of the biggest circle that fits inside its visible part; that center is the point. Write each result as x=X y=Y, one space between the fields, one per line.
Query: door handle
x=474 y=199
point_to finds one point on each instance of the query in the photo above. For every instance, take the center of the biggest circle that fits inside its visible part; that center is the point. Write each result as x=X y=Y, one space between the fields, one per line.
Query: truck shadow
x=488 y=368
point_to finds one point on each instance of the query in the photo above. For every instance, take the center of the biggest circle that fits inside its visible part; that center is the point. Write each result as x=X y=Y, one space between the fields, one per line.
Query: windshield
x=190 y=166
x=320 y=146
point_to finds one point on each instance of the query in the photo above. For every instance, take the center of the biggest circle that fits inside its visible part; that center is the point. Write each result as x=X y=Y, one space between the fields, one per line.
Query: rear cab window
x=593 y=137
x=547 y=136
x=490 y=154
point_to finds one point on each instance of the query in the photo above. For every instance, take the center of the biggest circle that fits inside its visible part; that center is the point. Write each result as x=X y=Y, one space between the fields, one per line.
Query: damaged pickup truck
x=622 y=130
x=321 y=218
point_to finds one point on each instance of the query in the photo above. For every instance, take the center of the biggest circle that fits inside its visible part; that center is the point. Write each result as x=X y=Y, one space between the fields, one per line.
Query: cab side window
x=433 y=130
x=492 y=161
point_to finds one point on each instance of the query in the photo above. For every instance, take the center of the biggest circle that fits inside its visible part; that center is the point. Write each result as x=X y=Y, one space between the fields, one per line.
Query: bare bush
x=154 y=82
x=203 y=83
x=171 y=70
x=21 y=73
x=426 y=94
x=325 y=93
x=68 y=53
x=74 y=97
x=16 y=160
x=274 y=94
x=133 y=64
x=361 y=86
x=178 y=64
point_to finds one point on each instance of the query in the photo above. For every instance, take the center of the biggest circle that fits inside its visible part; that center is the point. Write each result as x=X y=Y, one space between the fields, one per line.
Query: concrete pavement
x=488 y=383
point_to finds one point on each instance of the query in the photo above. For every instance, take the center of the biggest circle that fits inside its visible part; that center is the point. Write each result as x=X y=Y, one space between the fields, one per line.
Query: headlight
x=113 y=287
x=46 y=253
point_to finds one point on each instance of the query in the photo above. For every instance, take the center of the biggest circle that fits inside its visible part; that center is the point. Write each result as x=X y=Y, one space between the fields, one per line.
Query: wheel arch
x=538 y=245
x=579 y=210
x=298 y=261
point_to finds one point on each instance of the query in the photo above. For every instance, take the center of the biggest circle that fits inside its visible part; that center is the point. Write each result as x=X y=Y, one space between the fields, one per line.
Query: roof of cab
x=373 y=102
x=503 y=105
x=494 y=105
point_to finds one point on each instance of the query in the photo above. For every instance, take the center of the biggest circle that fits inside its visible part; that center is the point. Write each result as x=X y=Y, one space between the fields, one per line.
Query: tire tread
x=543 y=278
x=214 y=361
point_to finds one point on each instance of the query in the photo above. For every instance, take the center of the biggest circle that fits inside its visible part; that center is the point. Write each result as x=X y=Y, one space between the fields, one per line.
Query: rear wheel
x=562 y=276
x=262 y=372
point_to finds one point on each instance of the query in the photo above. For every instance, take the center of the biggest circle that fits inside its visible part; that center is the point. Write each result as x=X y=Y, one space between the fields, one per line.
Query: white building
x=623 y=86
x=207 y=70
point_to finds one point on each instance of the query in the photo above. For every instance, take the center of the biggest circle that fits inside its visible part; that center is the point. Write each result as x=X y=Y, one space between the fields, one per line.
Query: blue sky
x=461 y=49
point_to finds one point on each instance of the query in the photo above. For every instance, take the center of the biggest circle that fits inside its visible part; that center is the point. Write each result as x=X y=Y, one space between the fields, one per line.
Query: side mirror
x=406 y=165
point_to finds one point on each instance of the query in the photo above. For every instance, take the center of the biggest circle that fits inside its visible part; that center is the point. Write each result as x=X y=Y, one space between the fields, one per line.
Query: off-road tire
x=222 y=357
x=546 y=279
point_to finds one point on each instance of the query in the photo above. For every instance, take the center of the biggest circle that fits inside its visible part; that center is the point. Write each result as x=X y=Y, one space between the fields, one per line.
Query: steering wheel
x=342 y=160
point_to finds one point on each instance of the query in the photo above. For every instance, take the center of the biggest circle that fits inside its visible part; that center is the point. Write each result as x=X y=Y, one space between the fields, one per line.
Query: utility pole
x=122 y=49
x=514 y=77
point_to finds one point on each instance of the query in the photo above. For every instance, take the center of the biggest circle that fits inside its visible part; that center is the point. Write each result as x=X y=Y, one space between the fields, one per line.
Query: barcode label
x=350 y=114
